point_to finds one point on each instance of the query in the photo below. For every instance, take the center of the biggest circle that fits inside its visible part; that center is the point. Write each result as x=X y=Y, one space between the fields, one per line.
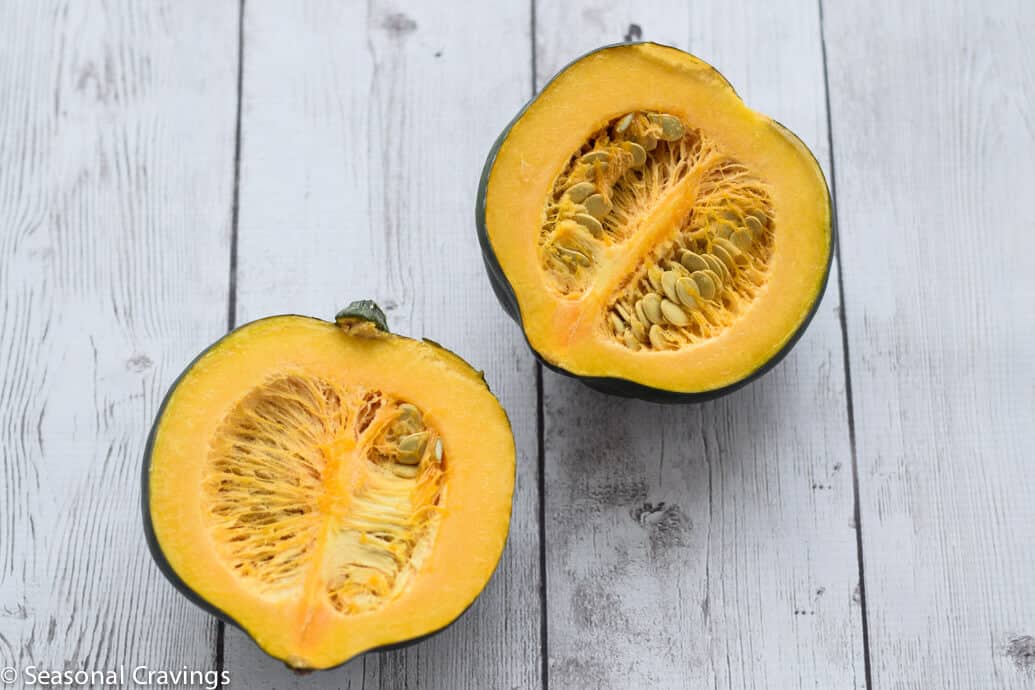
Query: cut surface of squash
x=646 y=227
x=330 y=489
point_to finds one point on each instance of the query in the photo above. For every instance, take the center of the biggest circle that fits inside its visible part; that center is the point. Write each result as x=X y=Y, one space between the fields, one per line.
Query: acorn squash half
x=329 y=488
x=653 y=235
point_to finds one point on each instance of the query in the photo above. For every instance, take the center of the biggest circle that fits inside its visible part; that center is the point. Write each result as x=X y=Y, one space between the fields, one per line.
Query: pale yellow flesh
x=571 y=333
x=472 y=527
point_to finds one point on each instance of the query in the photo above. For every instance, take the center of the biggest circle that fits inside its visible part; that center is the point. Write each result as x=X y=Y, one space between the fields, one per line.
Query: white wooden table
x=863 y=517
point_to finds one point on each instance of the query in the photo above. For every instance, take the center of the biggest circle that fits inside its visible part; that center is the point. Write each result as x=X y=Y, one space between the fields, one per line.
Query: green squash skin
x=618 y=386
x=176 y=581
x=363 y=310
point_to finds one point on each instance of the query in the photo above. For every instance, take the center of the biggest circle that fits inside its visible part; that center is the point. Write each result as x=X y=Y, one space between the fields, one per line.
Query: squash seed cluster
x=709 y=267
x=695 y=284
x=600 y=195
x=307 y=477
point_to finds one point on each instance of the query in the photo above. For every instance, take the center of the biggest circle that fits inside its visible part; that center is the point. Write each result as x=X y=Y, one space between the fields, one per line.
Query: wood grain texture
x=116 y=167
x=713 y=545
x=364 y=132
x=707 y=546
x=935 y=153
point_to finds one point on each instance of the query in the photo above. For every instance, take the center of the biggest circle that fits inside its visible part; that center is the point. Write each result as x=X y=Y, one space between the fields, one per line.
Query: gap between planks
x=846 y=361
x=231 y=314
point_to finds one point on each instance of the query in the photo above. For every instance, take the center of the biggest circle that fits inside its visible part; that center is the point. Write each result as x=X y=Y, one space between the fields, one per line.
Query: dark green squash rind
x=618 y=386
x=177 y=582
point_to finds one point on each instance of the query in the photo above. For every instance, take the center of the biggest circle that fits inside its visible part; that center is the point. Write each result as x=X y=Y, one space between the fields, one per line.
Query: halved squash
x=653 y=235
x=329 y=488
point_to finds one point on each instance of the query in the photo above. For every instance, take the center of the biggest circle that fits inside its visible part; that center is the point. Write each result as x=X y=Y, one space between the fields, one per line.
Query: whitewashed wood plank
x=935 y=153
x=363 y=135
x=116 y=173
x=707 y=546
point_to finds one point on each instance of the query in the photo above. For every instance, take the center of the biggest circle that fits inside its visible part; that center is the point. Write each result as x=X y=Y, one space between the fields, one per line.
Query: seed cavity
x=709 y=267
x=324 y=492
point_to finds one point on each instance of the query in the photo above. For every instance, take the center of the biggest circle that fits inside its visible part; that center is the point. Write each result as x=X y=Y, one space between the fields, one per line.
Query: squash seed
x=596 y=157
x=728 y=246
x=654 y=277
x=409 y=412
x=719 y=280
x=679 y=268
x=413 y=442
x=730 y=215
x=408 y=457
x=573 y=256
x=648 y=142
x=739 y=257
x=673 y=313
x=405 y=471
x=687 y=292
x=597 y=206
x=705 y=284
x=692 y=261
x=638 y=329
x=724 y=256
x=755 y=226
x=438 y=449
x=624 y=123
x=671 y=128
x=652 y=307
x=641 y=315
x=630 y=341
x=589 y=222
x=578 y=192
x=718 y=268
x=659 y=340
x=668 y=284
x=639 y=154
x=617 y=323
x=759 y=215
x=742 y=239
x=411 y=448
